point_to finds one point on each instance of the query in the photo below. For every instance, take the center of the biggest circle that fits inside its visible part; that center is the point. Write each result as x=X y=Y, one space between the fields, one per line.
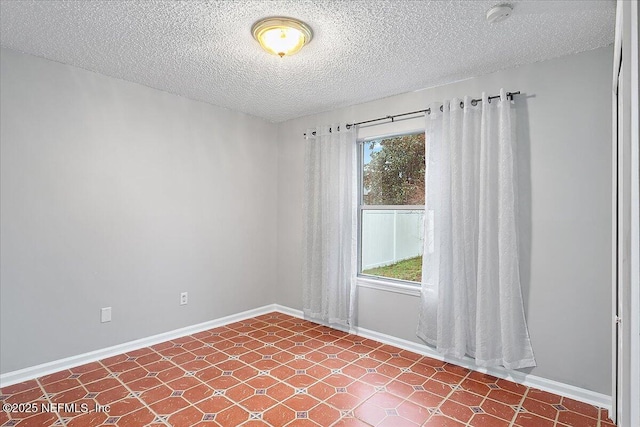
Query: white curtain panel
x=330 y=225
x=471 y=295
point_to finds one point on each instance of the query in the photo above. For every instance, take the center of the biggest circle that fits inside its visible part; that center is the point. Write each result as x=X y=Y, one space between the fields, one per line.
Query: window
x=391 y=208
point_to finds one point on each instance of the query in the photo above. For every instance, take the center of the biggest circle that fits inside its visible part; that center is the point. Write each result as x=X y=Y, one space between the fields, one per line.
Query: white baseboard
x=583 y=395
x=556 y=387
x=32 y=372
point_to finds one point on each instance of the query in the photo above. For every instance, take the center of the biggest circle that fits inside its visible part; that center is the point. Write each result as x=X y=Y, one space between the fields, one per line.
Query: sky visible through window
x=370 y=149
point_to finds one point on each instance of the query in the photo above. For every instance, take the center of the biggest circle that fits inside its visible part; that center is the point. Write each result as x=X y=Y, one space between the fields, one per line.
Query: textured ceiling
x=361 y=50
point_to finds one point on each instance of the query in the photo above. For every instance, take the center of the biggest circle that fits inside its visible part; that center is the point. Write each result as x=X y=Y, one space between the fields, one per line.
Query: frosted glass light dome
x=281 y=36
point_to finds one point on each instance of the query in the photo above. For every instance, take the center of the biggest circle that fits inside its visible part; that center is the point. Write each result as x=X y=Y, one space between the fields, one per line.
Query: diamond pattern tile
x=277 y=370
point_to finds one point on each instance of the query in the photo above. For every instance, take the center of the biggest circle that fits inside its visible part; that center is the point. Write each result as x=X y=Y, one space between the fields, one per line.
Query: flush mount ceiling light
x=499 y=13
x=281 y=36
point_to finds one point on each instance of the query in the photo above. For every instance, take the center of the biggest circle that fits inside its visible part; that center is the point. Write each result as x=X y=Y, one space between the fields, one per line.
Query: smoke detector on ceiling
x=499 y=13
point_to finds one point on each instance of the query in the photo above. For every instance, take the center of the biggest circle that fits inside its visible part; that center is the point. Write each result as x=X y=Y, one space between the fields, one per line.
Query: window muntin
x=391 y=220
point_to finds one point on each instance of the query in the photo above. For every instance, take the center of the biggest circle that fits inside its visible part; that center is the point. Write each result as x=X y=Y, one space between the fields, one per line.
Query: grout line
x=599 y=418
x=484 y=399
x=520 y=405
x=144 y=404
x=557 y=417
x=450 y=394
x=46 y=396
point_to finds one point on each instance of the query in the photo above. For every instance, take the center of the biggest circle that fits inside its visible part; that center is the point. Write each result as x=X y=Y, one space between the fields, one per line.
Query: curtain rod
x=428 y=111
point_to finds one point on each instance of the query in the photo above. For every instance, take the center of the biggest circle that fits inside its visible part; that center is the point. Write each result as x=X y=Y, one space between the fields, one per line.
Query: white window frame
x=366 y=280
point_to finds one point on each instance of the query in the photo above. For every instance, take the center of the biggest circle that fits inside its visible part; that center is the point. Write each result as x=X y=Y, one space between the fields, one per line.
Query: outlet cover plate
x=105 y=314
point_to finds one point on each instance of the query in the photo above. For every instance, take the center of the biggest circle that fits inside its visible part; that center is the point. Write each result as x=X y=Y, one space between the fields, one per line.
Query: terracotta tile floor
x=277 y=370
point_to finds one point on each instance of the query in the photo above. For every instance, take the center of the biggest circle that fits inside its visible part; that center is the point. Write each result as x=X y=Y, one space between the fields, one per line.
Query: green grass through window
x=409 y=269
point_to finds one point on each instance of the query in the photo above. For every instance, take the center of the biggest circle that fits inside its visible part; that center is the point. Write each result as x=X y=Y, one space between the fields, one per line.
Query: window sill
x=388 y=286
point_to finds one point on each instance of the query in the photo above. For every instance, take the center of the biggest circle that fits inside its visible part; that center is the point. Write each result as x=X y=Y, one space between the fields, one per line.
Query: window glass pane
x=391 y=243
x=393 y=171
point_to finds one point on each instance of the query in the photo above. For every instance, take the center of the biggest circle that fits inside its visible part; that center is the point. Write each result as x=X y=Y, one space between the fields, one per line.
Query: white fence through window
x=390 y=236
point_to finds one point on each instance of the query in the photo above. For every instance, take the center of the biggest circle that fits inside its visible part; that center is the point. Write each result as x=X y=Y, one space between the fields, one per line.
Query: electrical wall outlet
x=184 y=298
x=105 y=314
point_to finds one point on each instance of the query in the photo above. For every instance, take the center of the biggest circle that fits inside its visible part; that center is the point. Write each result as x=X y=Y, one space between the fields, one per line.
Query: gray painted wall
x=115 y=194
x=565 y=173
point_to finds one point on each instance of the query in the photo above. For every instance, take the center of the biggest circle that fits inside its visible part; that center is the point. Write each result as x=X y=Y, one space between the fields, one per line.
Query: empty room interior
x=319 y=213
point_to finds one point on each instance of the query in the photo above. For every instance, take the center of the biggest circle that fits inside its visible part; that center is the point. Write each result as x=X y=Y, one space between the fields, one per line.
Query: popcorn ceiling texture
x=361 y=51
